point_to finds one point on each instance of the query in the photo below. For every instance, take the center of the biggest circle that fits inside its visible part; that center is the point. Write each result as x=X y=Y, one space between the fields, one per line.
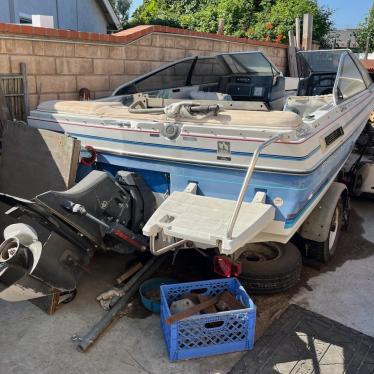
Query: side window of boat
x=350 y=79
x=170 y=77
x=207 y=71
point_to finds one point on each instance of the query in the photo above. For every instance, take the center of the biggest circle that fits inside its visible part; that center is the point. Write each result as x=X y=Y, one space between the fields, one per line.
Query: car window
x=350 y=79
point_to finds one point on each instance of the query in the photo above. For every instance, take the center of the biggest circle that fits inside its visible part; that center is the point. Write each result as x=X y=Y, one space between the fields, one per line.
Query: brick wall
x=61 y=62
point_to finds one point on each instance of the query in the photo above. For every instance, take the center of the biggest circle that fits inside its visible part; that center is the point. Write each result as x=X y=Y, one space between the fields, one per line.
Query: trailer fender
x=317 y=225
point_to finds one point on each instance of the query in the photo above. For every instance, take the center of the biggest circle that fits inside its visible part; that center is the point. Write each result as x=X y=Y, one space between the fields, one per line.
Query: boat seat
x=116 y=110
x=205 y=220
x=306 y=105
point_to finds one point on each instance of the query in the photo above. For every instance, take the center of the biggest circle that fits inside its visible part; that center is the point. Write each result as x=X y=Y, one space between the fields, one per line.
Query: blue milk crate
x=208 y=334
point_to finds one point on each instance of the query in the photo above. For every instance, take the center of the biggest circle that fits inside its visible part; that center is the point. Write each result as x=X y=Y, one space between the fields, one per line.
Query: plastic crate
x=208 y=334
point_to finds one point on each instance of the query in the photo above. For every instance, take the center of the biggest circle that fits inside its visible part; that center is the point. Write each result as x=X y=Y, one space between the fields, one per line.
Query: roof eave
x=110 y=13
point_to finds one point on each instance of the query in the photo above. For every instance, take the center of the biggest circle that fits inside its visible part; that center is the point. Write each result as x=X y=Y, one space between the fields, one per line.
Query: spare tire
x=270 y=267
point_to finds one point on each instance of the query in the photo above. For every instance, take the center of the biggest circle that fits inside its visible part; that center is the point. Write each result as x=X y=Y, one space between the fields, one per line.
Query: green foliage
x=237 y=15
x=204 y=19
x=156 y=12
x=121 y=8
x=259 y=19
x=365 y=30
x=278 y=17
x=199 y=15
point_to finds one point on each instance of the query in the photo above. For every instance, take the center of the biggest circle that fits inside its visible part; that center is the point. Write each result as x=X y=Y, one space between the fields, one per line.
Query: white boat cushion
x=306 y=105
x=270 y=119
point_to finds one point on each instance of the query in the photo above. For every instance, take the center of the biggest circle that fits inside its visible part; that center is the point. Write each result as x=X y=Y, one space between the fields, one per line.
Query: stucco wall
x=83 y=15
x=4 y=11
x=60 y=63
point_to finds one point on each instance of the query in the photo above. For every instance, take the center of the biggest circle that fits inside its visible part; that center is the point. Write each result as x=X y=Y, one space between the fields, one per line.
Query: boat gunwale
x=189 y=134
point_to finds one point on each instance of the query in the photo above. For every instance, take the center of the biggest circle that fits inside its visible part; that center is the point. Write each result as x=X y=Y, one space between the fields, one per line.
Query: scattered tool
x=191 y=311
x=128 y=273
x=228 y=302
x=106 y=297
x=129 y=290
x=194 y=303
x=210 y=309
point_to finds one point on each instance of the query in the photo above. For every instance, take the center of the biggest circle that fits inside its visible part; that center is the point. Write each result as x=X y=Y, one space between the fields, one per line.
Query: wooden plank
x=48 y=304
x=292 y=62
x=221 y=26
x=15 y=90
x=127 y=274
x=367 y=48
x=307 y=32
x=203 y=298
x=25 y=91
x=298 y=33
x=35 y=161
x=191 y=311
x=4 y=110
x=75 y=154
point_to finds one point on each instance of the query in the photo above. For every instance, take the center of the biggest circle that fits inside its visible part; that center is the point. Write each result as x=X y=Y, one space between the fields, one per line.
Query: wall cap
x=125 y=36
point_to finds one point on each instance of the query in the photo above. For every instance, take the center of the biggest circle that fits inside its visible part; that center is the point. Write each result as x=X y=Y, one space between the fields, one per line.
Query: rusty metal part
x=227 y=302
x=191 y=311
x=129 y=272
x=83 y=343
x=210 y=309
x=106 y=297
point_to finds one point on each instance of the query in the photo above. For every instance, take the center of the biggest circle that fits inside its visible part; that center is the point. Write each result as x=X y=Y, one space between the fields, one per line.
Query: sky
x=348 y=13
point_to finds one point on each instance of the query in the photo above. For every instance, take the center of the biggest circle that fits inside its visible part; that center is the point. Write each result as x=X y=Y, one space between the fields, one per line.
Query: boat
x=291 y=148
x=233 y=152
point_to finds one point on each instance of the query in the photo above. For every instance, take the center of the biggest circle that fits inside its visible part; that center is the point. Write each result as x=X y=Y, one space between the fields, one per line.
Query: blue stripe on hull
x=192 y=149
x=296 y=191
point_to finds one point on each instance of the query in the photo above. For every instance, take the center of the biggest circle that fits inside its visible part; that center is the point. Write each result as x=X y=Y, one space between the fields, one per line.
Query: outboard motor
x=98 y=212
x=31 y=269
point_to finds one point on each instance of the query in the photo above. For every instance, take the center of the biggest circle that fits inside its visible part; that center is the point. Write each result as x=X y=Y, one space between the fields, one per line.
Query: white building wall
x=80 y=15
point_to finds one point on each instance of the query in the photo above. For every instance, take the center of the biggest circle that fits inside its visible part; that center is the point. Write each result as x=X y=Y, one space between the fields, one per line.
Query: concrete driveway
x=31 y=342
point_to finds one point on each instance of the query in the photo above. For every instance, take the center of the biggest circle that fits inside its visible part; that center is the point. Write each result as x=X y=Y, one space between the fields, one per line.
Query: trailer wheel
x=270 y=267
x=323 y=251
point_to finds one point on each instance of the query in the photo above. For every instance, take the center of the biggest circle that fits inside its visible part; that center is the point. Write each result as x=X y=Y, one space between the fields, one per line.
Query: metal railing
x=246 y=181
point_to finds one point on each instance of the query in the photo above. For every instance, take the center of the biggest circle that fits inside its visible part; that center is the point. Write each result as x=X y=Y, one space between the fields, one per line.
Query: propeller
x=20 y=248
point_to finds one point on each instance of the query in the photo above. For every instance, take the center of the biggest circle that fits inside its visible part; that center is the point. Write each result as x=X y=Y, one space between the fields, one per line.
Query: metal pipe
x=90 y=338
x=246 y=181
x=134 y=279
x=164 y=249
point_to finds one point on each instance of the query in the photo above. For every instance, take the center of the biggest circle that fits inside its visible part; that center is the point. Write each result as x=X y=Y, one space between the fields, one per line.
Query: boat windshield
x=319 y=61
x=239 y=76
x=249 y=63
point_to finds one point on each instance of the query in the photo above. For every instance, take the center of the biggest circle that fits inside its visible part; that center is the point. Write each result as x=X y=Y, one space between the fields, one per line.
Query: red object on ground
x=223 y=266
x=236 y=268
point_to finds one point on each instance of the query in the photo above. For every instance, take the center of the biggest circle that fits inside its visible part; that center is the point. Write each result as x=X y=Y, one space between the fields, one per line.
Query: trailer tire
x=270 y=267
x=324 y=251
